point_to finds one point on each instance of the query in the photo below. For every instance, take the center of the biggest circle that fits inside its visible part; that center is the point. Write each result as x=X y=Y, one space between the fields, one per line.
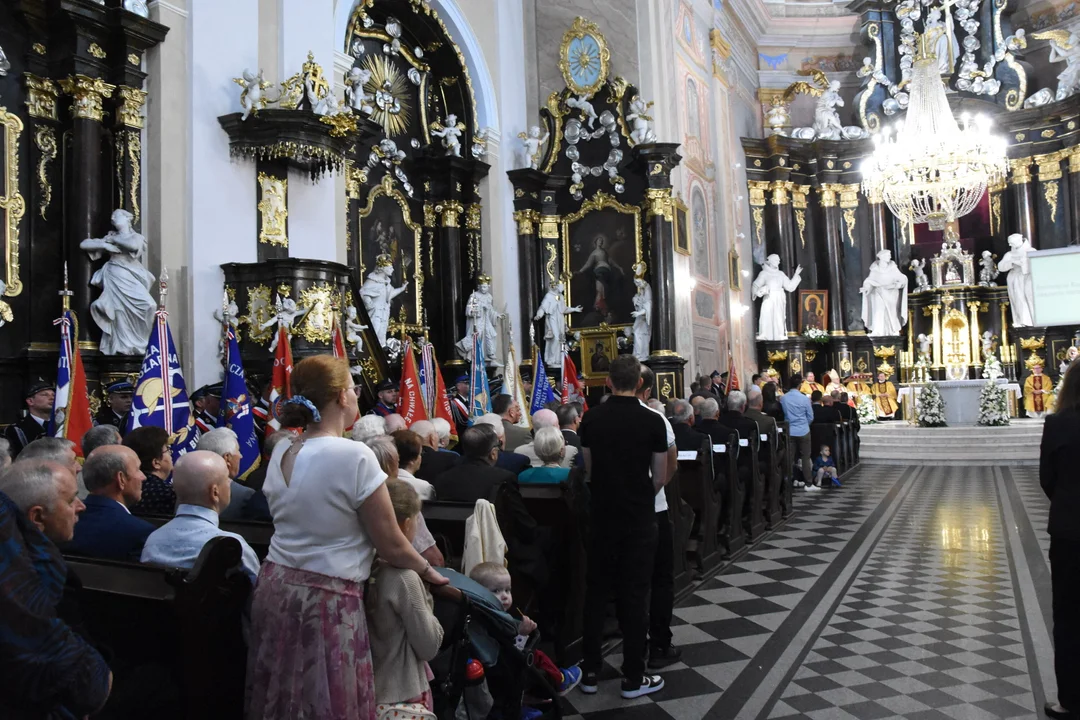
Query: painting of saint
x=602 y=251
x=386 y=231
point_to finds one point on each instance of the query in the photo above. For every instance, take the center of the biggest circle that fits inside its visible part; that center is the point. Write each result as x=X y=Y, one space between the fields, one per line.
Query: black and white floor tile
x=917 y=593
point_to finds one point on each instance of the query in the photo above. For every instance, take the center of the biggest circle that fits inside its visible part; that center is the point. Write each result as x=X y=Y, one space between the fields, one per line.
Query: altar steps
x=896 y=442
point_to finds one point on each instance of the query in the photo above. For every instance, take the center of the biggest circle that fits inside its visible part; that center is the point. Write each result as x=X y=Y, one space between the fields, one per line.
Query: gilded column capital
x=758 y=188
x=780 y=190
x=849 y=196
x=549 y=227
x=1073 y=153
x=828 y=193
x=129 y=112
x=451 y=213
x=41 y=94
x=526 y=221
x=1020 y=168
x=659 y=203
x=799 y=194
x=87 y=94
x=1049 y=165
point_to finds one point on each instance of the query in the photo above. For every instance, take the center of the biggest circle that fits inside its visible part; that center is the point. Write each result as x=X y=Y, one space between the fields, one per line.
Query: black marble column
x=833 y=244
x=1023 y=204
x=85 y=198
x=1073 y=199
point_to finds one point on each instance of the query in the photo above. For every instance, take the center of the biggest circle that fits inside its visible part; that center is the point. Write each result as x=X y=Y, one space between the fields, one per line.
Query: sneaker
x=813 y=487
x=649 y=685
x=587 y=683
x=799 y=484
x=662 y=657
x=571 y=676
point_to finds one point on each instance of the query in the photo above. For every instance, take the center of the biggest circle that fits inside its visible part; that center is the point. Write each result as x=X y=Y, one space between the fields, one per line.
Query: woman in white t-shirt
x=309 y=654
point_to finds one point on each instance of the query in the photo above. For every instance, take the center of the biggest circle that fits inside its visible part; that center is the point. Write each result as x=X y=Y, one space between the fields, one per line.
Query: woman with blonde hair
x=310 y=653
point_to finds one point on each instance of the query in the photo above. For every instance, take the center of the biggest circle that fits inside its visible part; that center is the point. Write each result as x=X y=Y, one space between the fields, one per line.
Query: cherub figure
x=353 y=328
x=252 y=98
x=385 y=100
x=642 y=124
x=450 y=131
x=581 y=102
x=925 y=342
x=285 y=313
x=532 y=143
x=921 y=281
x=1064 y=47
x=989 y=272
x=355 y=96
x=229 y=315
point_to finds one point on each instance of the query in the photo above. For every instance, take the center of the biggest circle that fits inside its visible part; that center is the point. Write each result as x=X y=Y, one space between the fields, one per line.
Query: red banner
x=571 y=381
x=281 y=382
x=411 y=405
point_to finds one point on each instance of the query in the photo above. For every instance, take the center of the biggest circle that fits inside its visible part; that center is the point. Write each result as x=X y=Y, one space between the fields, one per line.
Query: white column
x=315 y=209
x=224 y=41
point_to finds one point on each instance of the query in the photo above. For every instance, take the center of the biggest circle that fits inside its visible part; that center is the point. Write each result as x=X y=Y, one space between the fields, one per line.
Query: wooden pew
x=725 y=461
x=681 y=516
x=185 y=621
x=446 y=521
x=769 y=461
x=787 y=460
x=753 y=516
x=256 y=533
x=697 y=487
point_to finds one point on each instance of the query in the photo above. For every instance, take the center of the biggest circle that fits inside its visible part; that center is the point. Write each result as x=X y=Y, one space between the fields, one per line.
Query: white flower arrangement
x=867 y=410
x=993 y=405
x=816 y=335
x=930 y=408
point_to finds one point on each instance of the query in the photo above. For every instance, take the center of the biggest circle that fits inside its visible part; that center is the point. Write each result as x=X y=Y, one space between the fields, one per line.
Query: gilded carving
x=450 y=212
x=526 y=220
x=472 y=217
x=759 y=224
x=39 y=48
x=134 y=150
x=260 y=312
x=45 y=139
x=11 y=202
x=780 y=190
x=549 y=227
x=129 y=112
x=430 y=216
x=318 y=322
x=1050 y=192
x=659 y=203
x=1049 y=165
x=828 y=195
x=584 y=54
x=758 y=188
x=995 y=213
x=549 y=267
x=87 y=94
x=274 y=210
x=1021 y=170
x=96 y=51
x=41 y=94
x=133 y=59
x=800 y=219
x=849 y=220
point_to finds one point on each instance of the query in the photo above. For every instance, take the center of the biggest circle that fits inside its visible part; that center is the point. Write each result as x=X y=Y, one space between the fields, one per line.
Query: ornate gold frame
x=600 y=201
x=682 y=215
x=275 y=228
x=579 y=30
x=605 y=334
x=11 y=202
x=386 y=187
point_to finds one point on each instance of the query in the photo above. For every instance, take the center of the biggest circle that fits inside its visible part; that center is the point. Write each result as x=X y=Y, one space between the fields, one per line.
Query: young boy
x=496 y=578
x=824 y=467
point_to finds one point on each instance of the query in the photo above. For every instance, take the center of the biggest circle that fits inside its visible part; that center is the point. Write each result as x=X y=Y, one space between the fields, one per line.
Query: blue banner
x=235 y=412
x=478 y=381
x=161 y=398
x=542 y=393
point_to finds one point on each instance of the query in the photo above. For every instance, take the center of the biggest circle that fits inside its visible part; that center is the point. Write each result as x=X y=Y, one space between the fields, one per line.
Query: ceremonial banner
x=235 y=412
x=427 y=377
x=161 y=398
x=281 y=380
x=513 y=386
x=411 y=404
x=337 y=339
x=733 y=374
x=573 y=389
x=441 y=407
x=71 y=409
x=541 y=392
x=479 y=392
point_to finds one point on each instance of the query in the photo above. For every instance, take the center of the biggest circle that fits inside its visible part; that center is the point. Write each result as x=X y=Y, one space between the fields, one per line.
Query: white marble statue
x=1067 y=50
x=553 y=310
x=532 y=143
x=385 y=99
x=5 y=64
x=827 y=119
x=642 y=328
x=228 y=315
x=987 y=344
x=925 y=342
x=884 y=306
x=125 y=310
x=481 y=317
x=355 y=96
x=777 y=118
x=989 y=272
x=353 y=328
x=450 y=131
x=253 y=96
x=772 y=285
x=1070 y=355
x=378 y=293
x=945 y=46
x=138 y=7
x=588 y=112
x=919 y=268
x=285 y=313
x=641 y=131
x=1021 y=292
x=325 y=104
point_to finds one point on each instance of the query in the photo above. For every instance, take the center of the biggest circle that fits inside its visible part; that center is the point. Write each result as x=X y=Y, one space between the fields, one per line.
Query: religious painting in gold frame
x=599 y=349
x=735 y=269
x=813 y=310
x=12 y=204
x=601 y=243
x=386 y=227
x=682 y=229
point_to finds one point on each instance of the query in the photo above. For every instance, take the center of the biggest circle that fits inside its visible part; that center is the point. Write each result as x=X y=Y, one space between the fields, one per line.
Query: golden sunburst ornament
x=390 y=89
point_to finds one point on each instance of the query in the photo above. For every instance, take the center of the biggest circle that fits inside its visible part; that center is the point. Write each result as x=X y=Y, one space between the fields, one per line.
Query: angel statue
x=641 y=330
x=642 y=132
x=1065 y=49
x=581 y=102
x=227 y=315
x=481 y=318
x=921 y=281
x=378 y=293
x=355 y=96
x=450 y=131
x=827 y=124
x=285 y=313
x=353 y=328
x=925 y=341
x=989 y=272
x=553 y=311
x=252 y=98
x=125 y=310
x=532 y=143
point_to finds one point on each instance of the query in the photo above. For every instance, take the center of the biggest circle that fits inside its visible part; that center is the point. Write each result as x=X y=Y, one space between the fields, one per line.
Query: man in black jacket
x=39 y=403
x=682 y=421
x=569 y=421
x=827 y=412
x=433 y=463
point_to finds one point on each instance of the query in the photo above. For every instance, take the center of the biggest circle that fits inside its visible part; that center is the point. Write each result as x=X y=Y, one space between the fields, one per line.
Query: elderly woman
x=550 y=446
x=310 y=653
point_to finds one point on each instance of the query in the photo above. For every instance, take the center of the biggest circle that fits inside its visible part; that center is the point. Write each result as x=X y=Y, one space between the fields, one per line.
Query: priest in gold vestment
x=809 y=386
x=856 y=387
x=884 y=397
x=1037 y=392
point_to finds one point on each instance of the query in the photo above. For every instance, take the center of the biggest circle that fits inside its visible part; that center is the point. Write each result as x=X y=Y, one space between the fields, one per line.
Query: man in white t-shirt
x=662 y=598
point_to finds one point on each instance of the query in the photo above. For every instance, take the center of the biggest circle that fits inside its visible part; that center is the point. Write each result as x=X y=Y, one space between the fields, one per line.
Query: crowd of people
x=341 y=620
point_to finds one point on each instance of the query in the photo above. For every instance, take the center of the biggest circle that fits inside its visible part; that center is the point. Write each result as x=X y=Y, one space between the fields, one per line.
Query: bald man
x=202 y=484
x=542 y=419
x=107 y=529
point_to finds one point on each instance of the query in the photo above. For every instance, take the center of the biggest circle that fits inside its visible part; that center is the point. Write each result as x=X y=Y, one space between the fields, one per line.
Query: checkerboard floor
x=894 y=596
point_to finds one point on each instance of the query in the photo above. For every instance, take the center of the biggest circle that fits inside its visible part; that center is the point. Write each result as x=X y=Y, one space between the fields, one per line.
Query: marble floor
x=910 y=592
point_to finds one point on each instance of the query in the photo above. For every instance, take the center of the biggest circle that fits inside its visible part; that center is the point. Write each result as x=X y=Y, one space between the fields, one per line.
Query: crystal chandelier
x=930 y=170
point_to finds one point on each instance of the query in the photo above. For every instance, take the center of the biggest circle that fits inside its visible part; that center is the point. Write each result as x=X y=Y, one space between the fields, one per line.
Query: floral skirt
x=309 y=656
